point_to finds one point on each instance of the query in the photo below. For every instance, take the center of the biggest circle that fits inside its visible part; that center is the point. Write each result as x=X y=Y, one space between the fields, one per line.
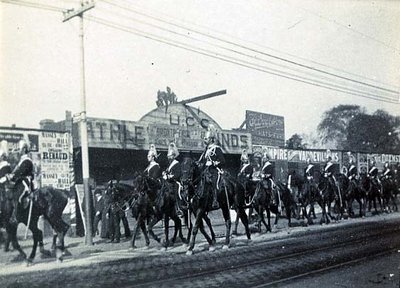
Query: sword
x=29 y=219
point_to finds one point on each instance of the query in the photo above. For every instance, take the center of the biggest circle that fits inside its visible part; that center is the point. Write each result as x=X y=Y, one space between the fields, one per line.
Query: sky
x=357 y=40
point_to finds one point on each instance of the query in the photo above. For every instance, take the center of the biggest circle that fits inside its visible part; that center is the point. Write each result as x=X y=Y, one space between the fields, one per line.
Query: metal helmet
x=152 y=151
x=23 y=146
x=172 y=150
x=245 y=156
x=265 y=157
x=3 y=149
x=211 y=131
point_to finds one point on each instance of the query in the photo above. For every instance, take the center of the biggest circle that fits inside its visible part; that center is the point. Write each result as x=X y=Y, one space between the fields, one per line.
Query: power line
x=229 y=59
x=251 y=49
x=215 y=55
x=228 y=49
x=35 y=5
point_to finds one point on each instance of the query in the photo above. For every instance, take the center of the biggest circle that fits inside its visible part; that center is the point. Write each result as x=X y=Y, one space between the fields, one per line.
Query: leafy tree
x=295 y=142
x=374 y=133
x=334 y=124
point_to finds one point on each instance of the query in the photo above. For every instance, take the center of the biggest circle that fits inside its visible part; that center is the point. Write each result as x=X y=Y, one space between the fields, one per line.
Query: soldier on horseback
x=153 y=170
x=387 y=172
x=352 y=169
x=267 y=172
x=213 y=160
x=329 y=172
x=5 y=200
x=245 y=173
x=23 y=176
x=173 y=175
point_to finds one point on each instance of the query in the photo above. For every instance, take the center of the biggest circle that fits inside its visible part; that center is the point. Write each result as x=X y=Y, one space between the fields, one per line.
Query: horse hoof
x=164 y=249
x=211 y=248
x=184 y=245
x=225 y=247
x=29 y=262
x=59 y=260
x=189 y=252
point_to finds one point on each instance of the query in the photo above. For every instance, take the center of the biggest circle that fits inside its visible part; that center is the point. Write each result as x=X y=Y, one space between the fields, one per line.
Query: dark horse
x=388 y=194
x=201 y=204
x=272 y=198
x=47 y=202
x=353 y=190
x=151 y=206
x=327 y=194
x=165 y=209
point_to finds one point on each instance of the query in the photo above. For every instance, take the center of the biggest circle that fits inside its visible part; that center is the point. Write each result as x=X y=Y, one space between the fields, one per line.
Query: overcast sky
x=357 y=40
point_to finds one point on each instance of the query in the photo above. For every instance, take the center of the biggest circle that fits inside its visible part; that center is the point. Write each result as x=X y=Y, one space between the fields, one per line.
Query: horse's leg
x=142 y=224
x=37 y=235
x=199 y=217
x=166 y=231
x=227 y=218
x=234 y=231
x=136 y=230
x=243 y=217
x=152 y=223
x=208 y=222
x=11 y=229
x=269 y=219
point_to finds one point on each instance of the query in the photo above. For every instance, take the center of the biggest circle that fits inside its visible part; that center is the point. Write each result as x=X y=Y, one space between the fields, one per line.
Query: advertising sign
x=50 y=153
x=265 y=129
x=290 y=155
x=161 y=127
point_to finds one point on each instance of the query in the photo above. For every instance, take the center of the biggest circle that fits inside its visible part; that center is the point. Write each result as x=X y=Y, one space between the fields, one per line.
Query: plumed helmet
x=351 y=157
x=3 y=148
x=308 y=161
x=2 y=154
x=372 y=162
x=173 y=150
x=211 y=131
x=245 y=156
x=152 y=151
x=23 y=144
x=265 y=157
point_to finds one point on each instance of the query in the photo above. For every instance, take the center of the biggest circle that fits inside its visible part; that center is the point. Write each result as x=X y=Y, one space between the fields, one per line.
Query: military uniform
x=267 y=173
x=173 y=176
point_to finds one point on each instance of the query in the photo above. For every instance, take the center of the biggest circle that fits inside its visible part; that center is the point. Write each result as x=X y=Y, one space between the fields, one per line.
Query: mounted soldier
x=329 y=170
x=213 y=161
x=352 y=169
x=5 y=169
x=23 y=177
x=245 y=174
x=387 y=172
x=267 y=172
x=173 y=175
x=153 y=170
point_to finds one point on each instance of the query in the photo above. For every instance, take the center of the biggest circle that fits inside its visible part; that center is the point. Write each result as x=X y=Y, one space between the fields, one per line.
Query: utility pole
x=83 y=125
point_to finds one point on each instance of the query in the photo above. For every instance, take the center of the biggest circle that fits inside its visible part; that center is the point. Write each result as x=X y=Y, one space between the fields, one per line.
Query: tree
x=374 y=133
x=334 y=124
x=295 y=142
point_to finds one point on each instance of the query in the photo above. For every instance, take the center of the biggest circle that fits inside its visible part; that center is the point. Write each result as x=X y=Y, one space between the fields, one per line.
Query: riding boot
x=178 y=209
x=215 y=204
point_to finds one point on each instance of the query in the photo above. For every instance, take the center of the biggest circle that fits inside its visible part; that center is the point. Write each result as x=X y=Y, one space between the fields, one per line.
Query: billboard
x=50 y=153
x=178 y=124
x=265 y=129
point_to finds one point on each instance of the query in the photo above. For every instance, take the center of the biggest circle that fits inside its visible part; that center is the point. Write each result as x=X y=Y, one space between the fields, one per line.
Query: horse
x=272 y=198
x=190 y=179
x=48 y=202
x=353 y=190
x=373 y=191
x=201 y=204
x=119 y=197
x=165 y=209
x=325 y=197
x=308 y=195
x=388 y=194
